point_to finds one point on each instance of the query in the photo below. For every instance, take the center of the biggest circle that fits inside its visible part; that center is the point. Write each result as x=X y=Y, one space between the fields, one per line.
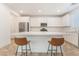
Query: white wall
x=13 y=23
x=5 y=22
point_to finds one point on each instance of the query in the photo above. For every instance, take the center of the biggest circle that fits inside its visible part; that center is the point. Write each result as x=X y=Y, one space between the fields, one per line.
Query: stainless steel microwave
x=43 y=24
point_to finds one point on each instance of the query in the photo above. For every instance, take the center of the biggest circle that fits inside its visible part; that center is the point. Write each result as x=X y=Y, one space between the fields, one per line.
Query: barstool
x=22 y=42
x=57 y=42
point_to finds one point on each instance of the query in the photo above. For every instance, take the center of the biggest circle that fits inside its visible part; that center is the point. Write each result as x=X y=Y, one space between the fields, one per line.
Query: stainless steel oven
x=43 y=27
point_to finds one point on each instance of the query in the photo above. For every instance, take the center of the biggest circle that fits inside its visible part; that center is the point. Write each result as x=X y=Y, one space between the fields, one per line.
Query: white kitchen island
x=39 y=40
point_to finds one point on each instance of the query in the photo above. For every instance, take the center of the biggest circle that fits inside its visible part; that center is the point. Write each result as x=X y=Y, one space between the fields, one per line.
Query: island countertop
x=38 y=33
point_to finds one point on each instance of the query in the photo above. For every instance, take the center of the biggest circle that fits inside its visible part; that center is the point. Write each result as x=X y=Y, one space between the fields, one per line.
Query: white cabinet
x=54 y=21
x=22 y=19
x=43 y=19
x=35 y=21
x=51 y=21
x=66 y=20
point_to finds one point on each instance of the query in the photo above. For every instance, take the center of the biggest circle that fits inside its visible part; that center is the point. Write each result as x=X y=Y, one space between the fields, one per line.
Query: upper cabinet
x=54 y=21
x=66 y=20
x=44 y=19
x=36 y=21
x=22 y=19
x=51 y=21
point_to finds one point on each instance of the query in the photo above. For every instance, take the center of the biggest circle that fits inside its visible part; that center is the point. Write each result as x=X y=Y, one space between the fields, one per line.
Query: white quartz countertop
x=38 y=33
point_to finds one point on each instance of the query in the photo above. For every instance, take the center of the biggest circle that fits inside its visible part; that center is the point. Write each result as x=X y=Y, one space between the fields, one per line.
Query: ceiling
x=32 y=9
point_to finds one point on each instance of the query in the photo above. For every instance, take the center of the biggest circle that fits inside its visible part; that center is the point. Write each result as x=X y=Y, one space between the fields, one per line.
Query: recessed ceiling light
x=58 y=10
x=21 y=11
x=39 y=10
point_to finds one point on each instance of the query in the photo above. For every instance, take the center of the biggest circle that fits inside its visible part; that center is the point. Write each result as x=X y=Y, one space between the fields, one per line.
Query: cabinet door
x=66 y=20
x=54 y=21
x=35 y=21
x=43 y=19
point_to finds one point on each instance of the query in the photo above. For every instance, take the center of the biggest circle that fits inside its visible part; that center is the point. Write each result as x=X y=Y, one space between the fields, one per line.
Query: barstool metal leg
x=48 y=48
x=22 y=50
x=16 y=51
x=61 y=50
x=51 y=50
x=26 y=50
x=56 y=50
x=30 y=48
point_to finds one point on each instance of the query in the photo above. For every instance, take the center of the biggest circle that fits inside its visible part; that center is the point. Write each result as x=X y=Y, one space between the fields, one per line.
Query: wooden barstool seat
x=22 y=42
x=56 y=42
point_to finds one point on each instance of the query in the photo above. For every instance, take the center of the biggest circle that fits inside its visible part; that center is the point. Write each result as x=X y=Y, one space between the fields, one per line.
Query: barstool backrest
x=57 y=41
x=21 y=41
